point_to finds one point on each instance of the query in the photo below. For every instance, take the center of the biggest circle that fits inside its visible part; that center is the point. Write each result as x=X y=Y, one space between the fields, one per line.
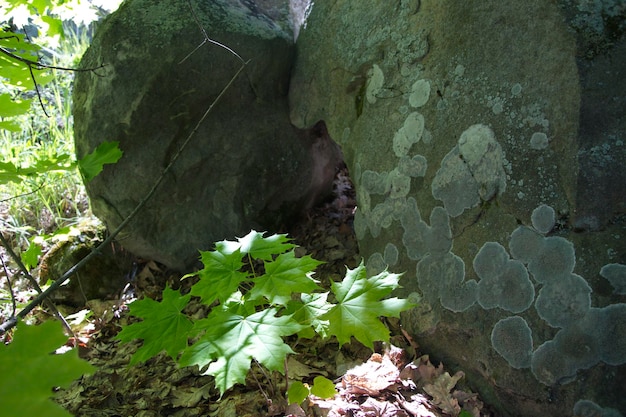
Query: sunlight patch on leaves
x=220 y=277
x=284 y=276
x=308 y=311
x=264 y=248
x=359 y=306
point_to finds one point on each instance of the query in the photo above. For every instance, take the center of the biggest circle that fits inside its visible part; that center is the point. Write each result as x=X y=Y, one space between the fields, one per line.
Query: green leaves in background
x=11 y=108
x=90 y=166
x=30 y=257
x=253 y=313
x=93 y=163
x=322 y=388
x=10 y=172
x=30 y=371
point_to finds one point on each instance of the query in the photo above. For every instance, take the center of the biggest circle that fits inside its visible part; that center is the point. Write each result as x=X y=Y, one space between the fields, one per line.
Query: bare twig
x=41 y=66
x=206 y=38
x=70 y=272
x=34 y=284
x=24 y=194
x=38 y=65
x=6 y=272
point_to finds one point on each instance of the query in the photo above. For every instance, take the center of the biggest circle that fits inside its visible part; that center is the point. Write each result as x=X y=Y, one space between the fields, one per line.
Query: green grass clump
x=42 y=203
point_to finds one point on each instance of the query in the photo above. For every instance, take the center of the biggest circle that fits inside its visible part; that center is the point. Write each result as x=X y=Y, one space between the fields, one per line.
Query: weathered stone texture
x=457 y=120
x=246 y=166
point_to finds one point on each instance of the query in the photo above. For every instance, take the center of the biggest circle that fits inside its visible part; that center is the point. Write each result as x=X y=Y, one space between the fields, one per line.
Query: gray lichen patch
x=409 y=134
x=398 y=184
x=420 y=93
x=375 y=264
x=460 y=297
x=586 y=408
x=374 y=182
x=600 y=336
x=483 y=155
x=556 y=259
x=525 y=244
x=512 y=339
x=550 y=366
x=472 y=171
x=543 y=218
x=375 y=83
x=539 y=141
x=616 y=275
x=614 y=334
x=441 y=279
x=564 y=300
x=454 y=185
x=413 y=167
x=504 y=282
x=390 y=255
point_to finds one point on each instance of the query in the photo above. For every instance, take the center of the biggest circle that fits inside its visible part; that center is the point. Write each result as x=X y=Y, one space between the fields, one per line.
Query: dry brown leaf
x=146 y=272
x=441 y=391
x=426 y=372
x=372 y=377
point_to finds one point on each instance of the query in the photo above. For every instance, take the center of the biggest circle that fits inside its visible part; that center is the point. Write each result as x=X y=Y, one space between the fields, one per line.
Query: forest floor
x=396 y=380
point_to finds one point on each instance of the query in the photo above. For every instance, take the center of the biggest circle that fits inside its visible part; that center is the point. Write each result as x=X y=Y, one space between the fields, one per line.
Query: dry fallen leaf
x=441 y=391
x=372 y=377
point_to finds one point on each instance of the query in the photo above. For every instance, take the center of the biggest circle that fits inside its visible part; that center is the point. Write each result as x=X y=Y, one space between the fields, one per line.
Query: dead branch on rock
x=206 y=38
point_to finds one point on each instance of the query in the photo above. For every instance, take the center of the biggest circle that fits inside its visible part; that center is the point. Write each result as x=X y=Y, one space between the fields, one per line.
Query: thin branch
x=23 y=195
x=206 y=38
x=36 y=84
x=97 y=250
x=41 y=66
x=34 y=284
x=6 y=272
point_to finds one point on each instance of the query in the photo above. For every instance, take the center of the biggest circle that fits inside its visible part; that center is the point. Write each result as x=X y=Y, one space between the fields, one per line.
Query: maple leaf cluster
x=253 y=313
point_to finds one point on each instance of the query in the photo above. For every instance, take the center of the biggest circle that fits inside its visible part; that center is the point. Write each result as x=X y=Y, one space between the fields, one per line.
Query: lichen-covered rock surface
x=246 y=166
x=487 y=151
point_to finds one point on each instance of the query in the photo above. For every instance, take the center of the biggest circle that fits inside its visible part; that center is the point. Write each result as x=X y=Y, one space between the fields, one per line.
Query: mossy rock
x=102 y=277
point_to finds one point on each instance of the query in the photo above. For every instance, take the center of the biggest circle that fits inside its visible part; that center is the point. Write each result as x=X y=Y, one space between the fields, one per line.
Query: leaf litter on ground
x=158 y=387
x=386 y=386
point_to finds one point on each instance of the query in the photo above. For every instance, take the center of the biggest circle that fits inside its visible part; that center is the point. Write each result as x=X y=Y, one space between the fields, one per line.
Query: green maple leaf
x=164 y=326
x=283 y=276
x=220 y=277
x=30 y=371
x=308 y=312
x=359 y=305
x=93 y=163
x=231 y=341
x=264 y=248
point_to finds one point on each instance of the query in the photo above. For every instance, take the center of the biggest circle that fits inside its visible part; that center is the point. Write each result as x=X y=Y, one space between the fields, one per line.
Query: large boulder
x=246 y=165
x=485 y=139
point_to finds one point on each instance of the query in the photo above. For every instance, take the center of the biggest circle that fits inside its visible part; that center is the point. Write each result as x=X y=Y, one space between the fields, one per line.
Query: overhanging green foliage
x=30 y=371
